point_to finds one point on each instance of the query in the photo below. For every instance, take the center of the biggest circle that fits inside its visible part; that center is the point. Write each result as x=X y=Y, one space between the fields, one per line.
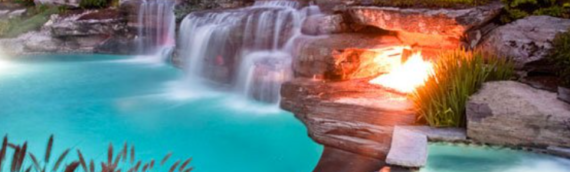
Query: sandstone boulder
x=353 y=116
x=512 y=113
x=340 y=56
x=526 y=40
x=438 y=28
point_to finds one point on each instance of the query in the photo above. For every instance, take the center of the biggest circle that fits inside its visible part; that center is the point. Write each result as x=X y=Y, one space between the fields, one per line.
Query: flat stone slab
x=409 y=149
x=439 y=134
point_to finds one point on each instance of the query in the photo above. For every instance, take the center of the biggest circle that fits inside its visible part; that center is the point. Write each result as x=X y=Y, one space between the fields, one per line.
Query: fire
x=406 y=77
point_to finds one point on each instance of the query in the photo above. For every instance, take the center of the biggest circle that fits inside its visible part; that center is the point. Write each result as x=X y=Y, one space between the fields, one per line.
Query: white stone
x=409 y=149
x=17 y=13
x=439 y=134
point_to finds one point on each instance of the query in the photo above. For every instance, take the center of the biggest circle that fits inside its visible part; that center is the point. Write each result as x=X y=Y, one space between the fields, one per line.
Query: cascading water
x=248 y=49
x=156 y=32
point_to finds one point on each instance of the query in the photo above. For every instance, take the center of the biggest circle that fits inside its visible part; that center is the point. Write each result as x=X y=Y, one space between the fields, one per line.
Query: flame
x=407 y=77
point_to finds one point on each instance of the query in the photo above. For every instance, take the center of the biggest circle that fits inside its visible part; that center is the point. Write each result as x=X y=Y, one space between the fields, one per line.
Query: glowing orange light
x=406 y=77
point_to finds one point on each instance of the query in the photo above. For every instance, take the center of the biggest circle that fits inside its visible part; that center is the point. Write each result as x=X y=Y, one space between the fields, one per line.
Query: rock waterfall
x=247 y=49
x=156 y=31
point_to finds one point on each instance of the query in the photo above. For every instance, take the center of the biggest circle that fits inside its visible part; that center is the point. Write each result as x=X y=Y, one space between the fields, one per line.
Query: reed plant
x=123 y=160
x=458 y=74
x=560 y=56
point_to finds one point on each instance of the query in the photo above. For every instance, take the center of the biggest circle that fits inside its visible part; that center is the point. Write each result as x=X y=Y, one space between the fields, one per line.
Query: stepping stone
x=409 y=149
x=440 y=134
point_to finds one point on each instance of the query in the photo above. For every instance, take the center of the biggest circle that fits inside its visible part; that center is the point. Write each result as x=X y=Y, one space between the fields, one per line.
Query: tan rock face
x=341 y=56
x=512 y=113
x=353 y=116
x=440 y=28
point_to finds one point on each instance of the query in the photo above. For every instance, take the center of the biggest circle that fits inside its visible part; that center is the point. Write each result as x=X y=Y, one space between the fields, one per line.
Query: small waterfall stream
x=156 y=32
x=248 y=49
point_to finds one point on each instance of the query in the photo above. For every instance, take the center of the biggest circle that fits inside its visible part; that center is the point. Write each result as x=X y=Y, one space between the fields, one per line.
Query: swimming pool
x=88 y=101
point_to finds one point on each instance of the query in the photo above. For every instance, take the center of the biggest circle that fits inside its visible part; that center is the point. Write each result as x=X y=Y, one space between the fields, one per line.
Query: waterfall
x=247 y=49
x=156 y=34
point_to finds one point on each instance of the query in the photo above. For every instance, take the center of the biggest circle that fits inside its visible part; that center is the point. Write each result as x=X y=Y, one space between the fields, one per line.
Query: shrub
x=90 y=4
x=22 y=159
x=25 y=2
x=517 y=9
x=22 y=25
x=560 y=55
x=458 y=75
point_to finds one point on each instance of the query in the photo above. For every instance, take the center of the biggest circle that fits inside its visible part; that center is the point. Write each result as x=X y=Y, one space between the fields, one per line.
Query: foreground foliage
x=22 y=160
x=517 y=9
x=458 y=74
x=560 y=55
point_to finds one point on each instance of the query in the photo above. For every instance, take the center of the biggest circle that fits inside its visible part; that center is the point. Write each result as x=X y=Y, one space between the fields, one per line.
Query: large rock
x=512 y=113
x=341 y=56
x=97 y=22
x=353 y=116
x=526 y=40
x=91 y=31
x=438 y=28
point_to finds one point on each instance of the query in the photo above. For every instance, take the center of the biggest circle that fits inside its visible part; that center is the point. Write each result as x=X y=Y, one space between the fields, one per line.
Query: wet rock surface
x=325 y=24
x=515 y=114
x=353 y=116
x=526 y=40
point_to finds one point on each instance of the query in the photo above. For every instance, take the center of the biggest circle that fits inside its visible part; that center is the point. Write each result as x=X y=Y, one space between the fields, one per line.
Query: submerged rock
x=512 y=113
x=526 y=40
x=353 y=116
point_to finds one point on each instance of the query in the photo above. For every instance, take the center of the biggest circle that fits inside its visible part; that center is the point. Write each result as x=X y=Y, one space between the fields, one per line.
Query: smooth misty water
x=458 y=158
x=88 y=101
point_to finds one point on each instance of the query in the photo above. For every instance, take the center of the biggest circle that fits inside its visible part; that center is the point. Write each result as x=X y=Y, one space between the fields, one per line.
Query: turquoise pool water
x=88 y=101
x=460 y=158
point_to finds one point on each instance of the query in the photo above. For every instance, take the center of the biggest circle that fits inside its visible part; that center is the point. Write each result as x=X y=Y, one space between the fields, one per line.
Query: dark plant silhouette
x=21 y=157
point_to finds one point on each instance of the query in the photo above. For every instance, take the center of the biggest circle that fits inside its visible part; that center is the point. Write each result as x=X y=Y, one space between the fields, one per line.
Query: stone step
x=409 y=148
